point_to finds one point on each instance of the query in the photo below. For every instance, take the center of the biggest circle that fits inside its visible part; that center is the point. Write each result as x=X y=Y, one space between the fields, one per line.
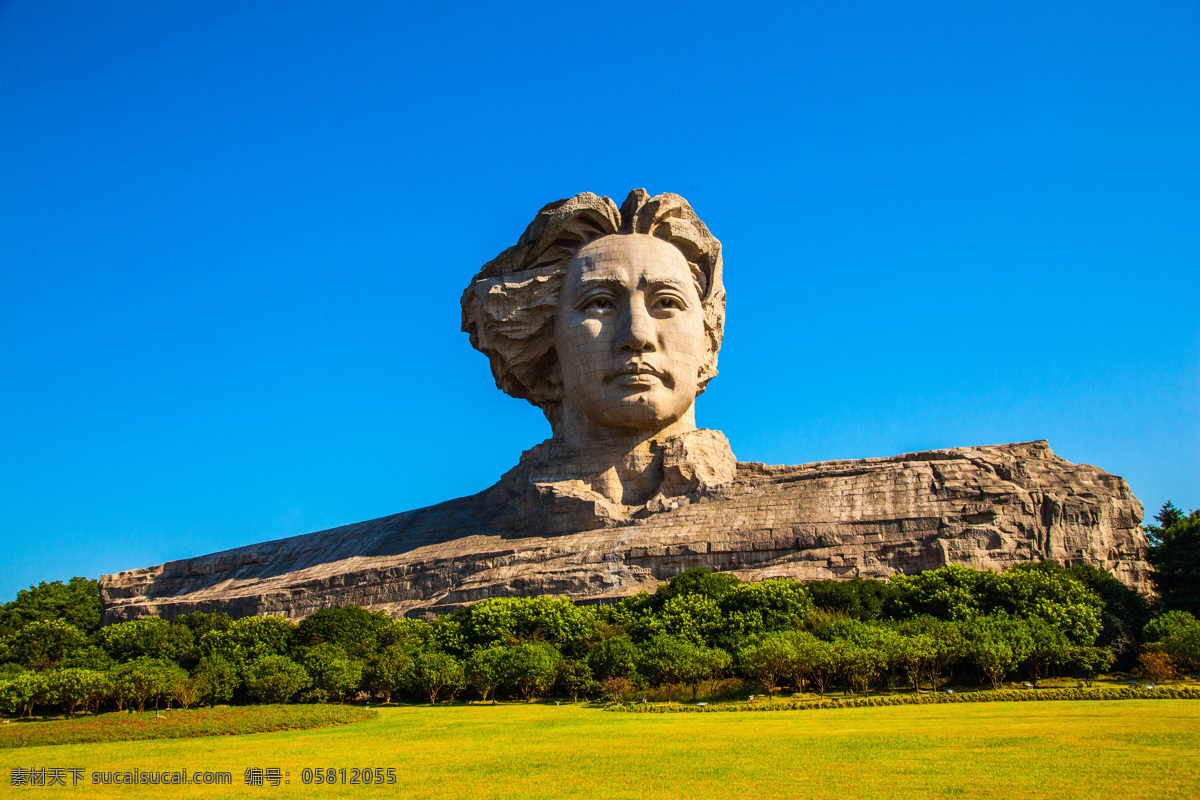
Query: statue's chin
x=639 y=413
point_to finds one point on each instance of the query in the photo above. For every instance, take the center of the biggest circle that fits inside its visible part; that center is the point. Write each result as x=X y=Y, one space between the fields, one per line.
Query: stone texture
x=986 y=507
x=610 y=321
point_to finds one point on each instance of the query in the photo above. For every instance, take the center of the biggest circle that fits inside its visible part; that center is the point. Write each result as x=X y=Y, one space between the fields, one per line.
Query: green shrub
x=436 y=672
x=333 y=672
x=275 y=679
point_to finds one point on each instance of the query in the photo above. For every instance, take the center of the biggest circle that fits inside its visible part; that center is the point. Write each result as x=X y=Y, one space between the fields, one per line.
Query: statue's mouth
x=638 y=373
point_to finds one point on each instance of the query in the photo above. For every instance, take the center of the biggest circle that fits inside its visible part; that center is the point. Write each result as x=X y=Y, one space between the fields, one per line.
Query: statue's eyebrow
x=586 y=284
x=669 y=283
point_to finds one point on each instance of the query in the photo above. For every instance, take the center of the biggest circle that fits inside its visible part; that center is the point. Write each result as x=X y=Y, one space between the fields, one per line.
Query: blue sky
x=233 y=238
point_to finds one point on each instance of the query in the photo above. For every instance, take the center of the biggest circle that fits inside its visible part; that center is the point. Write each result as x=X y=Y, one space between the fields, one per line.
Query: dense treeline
x=693 y=634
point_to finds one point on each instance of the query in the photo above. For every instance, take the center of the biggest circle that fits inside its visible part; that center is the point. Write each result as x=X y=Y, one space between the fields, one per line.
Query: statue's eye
x=600 y=303
x=668 y=303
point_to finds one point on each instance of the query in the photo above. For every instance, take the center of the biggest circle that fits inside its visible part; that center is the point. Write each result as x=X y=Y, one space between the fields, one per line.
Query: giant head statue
x=608 y=319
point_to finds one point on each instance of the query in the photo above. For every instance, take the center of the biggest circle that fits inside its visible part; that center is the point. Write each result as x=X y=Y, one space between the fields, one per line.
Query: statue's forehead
x=634 y=251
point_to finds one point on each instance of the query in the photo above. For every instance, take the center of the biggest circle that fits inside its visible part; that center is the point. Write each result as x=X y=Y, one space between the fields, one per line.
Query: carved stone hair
x=509 y=308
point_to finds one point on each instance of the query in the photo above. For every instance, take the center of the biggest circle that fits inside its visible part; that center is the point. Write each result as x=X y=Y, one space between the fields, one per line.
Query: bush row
x=918 y=631
x=989 y=696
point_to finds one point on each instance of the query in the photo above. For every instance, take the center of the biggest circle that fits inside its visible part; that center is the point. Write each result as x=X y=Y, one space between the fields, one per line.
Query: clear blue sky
x=233 y=238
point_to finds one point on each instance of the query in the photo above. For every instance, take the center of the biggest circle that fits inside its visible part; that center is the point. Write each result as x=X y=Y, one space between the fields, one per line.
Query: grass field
x=1127 y=749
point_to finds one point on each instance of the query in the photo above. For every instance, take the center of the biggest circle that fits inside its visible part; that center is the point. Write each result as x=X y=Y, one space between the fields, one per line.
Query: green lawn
x=1127 y=749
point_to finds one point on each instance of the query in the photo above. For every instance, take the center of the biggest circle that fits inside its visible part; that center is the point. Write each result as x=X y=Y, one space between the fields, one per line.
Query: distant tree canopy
x=1175 y=555
x=698 y=629
x=76 y=602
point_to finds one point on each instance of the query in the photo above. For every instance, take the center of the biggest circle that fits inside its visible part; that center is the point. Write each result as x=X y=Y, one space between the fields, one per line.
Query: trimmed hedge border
x=989 y=696
x=176 y=724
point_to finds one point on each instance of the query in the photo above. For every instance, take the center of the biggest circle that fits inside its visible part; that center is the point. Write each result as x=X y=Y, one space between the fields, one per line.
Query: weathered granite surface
x=610 y=320
x=981 y=506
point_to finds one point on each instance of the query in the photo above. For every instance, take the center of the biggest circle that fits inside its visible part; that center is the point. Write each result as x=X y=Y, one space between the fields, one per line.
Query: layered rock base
x=983 y=507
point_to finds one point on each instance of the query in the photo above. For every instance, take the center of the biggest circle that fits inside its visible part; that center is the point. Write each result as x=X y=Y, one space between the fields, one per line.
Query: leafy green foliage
x=1176 y=633
x=334 y=673
x=22 y=693
x=856 y=598
x=248 y=639
x=44 y=644
x=575 y=678
x=145 y=679
x=530 y=668
x=76 y=602
x=667 y=660
x=1175 y=554
x=435 y=672
x=275 y=679
x=484 y=670
x=768 y=659
x=146 y=638
x=389 y=671
x=351 y=628
x=615 y=657
x=556 y=621
x=217 y=678
x=74 y=687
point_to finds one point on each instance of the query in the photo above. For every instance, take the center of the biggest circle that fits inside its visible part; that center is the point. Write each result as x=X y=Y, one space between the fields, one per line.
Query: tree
x=695 y=618
x=389 y=671
x=768 y=659
x=90 y=657
x=351 y=628
x=858 y=598
x=334 y=674
x=949 y=593
x=142 y=680
x=948 y=644
x=816 y=660
x=1176 y=633
x=44 y=644
x=77 y=603
x=1086 y=662
x=435 y=672
x=1156 y=667
x=751 y=609
x=1046 y=591
x=21 y=694
x=275 y=679
x=506 y=621
x=997 y=645
x=201 y=622
x=615 y=657
x=1048 y=646
x=666 y=660
x=1124 y=614
x=704 y=664
x=698 y=581
x=74 y=687
x=530 y=668
x=1175 y=555
x=913 y=654
x=187 y=691
x=861 y=666
x=484 y=670
x=575 y=678
x=150 y=637
x=248 y=639
x=217 y=678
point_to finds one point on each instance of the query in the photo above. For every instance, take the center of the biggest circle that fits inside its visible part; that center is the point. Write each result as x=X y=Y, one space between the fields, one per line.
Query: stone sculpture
x=610 y=320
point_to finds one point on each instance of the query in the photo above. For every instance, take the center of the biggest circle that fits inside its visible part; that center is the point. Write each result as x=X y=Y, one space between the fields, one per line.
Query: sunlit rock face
x=610 y=320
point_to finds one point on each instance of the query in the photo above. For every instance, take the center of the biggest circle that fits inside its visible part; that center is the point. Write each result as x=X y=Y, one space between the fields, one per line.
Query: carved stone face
x=629 y=333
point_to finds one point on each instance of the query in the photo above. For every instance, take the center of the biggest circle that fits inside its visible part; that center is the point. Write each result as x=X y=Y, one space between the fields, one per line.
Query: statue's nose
x=637 y=327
